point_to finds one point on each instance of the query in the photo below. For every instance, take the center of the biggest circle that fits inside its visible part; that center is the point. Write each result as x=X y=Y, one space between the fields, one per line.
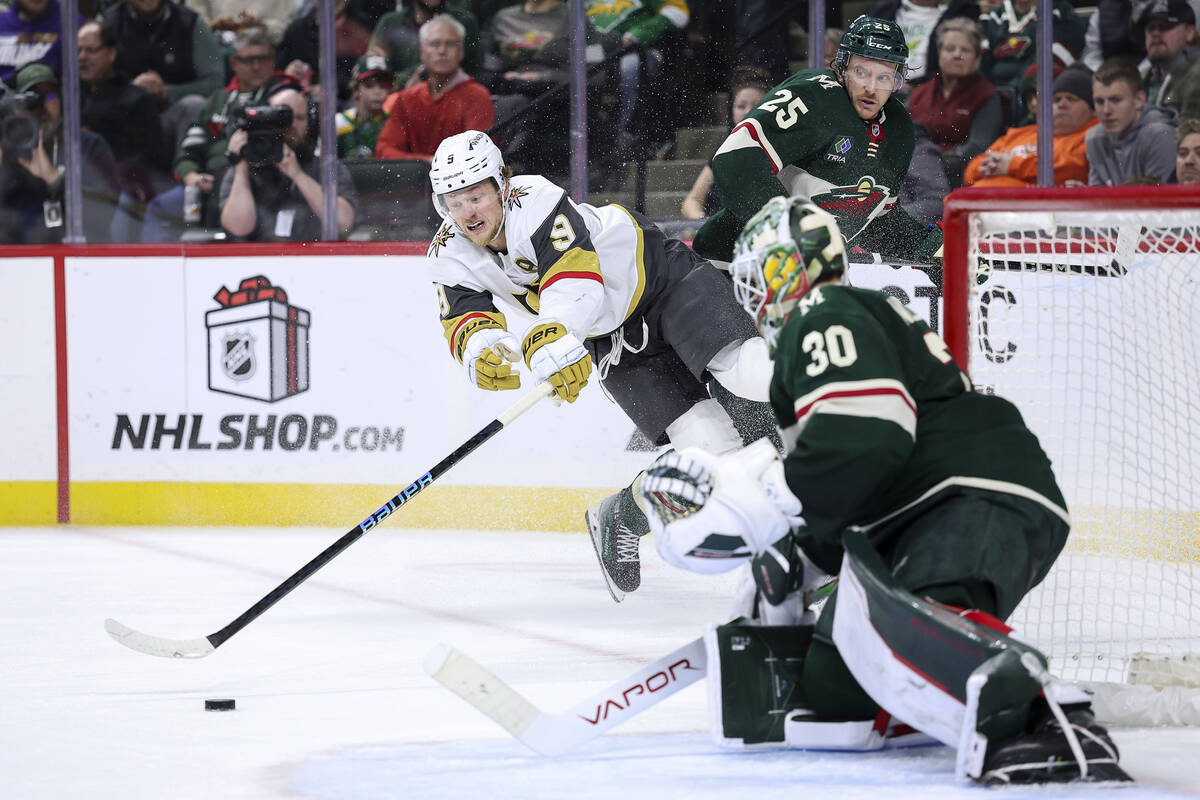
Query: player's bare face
x=870 y=83
x=477 y=210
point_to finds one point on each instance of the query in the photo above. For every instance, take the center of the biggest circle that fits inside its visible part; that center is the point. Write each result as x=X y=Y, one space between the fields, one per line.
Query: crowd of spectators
x=169 y=90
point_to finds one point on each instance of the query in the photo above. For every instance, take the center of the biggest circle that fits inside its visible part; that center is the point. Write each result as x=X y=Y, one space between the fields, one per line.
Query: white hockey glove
x=487 y=355
x=553 y=353
x=710 y=514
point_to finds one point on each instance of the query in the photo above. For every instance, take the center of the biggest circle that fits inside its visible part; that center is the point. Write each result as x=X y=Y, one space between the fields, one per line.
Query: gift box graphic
x=257 y=342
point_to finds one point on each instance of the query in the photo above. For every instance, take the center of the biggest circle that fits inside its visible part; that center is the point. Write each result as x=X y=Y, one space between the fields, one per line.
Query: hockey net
x=1082 y=306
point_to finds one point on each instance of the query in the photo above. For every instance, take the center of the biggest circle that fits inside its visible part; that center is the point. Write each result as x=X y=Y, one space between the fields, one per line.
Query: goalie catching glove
x=553 y=354
x=710 y=514
x=487 y=356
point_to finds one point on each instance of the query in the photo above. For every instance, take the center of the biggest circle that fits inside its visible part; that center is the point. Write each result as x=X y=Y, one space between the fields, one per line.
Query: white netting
x=1090 y=322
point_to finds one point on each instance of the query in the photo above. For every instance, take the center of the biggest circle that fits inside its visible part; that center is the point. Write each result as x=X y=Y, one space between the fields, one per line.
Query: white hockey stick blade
x=554 y=734
x=155 y=646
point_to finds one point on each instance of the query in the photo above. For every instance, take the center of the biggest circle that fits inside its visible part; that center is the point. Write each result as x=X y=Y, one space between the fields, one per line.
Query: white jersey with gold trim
x=579 y=264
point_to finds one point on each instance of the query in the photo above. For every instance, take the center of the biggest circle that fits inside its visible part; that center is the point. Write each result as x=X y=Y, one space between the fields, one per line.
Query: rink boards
x=285 y=385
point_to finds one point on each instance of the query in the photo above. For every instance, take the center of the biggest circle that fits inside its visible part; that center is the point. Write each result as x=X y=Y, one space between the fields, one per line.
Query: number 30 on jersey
x=834 y=345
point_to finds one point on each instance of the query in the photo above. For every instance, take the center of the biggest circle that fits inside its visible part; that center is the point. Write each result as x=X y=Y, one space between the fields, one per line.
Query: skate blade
x=593 y=526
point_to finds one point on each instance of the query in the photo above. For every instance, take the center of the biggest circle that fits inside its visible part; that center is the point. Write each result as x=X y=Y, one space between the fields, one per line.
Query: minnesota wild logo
x=610 y=8
x=515 y=193
x=444 y=235
x=1014 y=47
x=854 y=206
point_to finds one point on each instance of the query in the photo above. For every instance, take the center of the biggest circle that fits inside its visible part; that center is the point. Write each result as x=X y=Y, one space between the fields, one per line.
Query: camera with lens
x=18 y=126
x=265 y=128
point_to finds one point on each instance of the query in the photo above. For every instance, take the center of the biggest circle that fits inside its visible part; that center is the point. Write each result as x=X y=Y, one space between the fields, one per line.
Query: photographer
x=200 y=163
x=273 y=191
x=32 y=159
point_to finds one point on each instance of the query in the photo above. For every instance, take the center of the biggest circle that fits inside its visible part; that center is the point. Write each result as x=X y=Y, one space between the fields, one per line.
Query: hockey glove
x=552 y=353
x=931 y=247
x=778 y=571
x=678 y=484
x=487 y=355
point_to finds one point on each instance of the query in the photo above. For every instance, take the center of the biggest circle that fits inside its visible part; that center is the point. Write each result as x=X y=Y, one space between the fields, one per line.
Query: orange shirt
x=1070 y=159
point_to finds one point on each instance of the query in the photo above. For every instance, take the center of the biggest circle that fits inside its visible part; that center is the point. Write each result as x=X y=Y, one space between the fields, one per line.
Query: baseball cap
x=369 y=66
x=32 y=74
x=1172 y=11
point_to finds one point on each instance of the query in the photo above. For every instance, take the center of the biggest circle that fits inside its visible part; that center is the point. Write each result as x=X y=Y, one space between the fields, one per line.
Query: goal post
x=1082 y=306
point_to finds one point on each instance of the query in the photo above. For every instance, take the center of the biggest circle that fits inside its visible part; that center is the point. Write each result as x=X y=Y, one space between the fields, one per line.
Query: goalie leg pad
x=914 y=657
x=753 y=680
x=803 y=731
x=940 y=670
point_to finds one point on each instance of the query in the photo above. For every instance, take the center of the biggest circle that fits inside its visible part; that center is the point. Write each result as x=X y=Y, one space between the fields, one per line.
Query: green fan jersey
x=879 y=421
x=806 y=138
x=645 y=20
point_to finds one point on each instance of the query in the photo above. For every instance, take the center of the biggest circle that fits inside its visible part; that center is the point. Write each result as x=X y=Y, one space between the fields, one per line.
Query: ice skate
x=1045 y=755
x=616 y=525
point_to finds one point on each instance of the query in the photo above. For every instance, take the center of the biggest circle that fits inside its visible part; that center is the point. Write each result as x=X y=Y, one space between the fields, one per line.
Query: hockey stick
x=553 y=734
x=198 y=648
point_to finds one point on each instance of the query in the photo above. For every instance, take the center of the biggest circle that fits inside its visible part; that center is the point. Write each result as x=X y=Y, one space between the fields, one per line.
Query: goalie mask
x=785 y=249
x=463 y=160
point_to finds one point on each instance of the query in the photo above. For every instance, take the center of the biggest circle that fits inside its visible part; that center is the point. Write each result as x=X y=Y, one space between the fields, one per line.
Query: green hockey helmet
x=785 y=249
x=871 y=37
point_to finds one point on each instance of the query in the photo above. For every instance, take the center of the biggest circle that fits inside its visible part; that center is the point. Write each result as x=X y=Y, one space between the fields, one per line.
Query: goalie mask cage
x=1082 y=306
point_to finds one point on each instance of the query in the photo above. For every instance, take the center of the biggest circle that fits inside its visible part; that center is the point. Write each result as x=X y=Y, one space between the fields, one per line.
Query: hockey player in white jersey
x=591 y=289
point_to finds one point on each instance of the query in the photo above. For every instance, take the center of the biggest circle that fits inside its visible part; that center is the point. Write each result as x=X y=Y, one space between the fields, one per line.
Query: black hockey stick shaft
x=203 y=646
x=400 y=499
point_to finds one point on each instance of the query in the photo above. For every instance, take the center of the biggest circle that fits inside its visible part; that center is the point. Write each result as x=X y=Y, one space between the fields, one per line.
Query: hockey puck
x=220 y=705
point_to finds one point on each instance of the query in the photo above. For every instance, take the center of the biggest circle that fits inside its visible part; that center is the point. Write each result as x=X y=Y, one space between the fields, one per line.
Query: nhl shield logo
x=257 y=342
x=237 y=355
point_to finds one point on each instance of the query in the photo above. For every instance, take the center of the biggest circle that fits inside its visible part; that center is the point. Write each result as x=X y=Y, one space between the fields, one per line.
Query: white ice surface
x=331 y=698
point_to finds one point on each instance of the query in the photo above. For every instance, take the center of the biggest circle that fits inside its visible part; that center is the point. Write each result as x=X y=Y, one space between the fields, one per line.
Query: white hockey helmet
x=463 y=160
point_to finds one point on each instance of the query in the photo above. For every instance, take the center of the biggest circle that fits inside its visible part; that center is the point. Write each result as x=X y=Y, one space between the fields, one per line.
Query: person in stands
x=1011 y=160
x=447 y=102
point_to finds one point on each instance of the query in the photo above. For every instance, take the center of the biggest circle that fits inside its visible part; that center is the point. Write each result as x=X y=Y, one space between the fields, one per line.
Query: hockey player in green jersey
x=935 y=506
x=839 y=136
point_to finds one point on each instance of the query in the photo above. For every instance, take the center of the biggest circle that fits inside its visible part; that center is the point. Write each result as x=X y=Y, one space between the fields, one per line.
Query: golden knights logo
x=444 y=235
x=515 y=193
x=853 y=203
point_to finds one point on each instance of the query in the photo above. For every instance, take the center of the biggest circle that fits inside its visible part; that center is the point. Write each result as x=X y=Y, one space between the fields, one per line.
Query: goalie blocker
x=960 y=678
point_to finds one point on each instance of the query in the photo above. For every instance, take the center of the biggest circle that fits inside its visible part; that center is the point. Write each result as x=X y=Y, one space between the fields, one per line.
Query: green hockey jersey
x=645 y=20
x=806 y=138
x=877 y=419
x=1010 y=40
